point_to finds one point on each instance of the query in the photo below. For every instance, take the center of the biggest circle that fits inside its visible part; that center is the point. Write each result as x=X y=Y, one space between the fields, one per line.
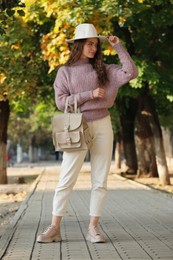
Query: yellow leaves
x=50 y=7
x=140 y=1
x=62 y=48
x=66 y=25
x=109 y=51
x=2 y=78
x=15 y=46
x=60 y=38
x=54 y=49
x=124 y=16
x=122 y=20
x=29 y=2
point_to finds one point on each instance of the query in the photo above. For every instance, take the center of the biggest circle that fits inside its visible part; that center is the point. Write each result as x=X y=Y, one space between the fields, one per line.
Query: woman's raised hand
x=112 y=40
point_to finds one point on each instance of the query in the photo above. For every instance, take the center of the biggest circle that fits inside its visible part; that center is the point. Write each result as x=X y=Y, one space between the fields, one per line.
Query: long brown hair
x=96 y=62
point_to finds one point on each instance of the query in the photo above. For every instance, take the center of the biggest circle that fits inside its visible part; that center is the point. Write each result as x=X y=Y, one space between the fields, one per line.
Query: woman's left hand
x=113 y=40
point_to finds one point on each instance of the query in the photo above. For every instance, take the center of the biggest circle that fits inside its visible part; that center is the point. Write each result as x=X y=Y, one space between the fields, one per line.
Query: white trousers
x=100 y=156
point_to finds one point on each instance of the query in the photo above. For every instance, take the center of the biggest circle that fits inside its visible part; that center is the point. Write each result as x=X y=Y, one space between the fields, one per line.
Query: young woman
x=95 y=85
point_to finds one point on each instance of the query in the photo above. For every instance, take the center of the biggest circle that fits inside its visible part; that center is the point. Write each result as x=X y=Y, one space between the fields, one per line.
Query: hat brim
x=102 y=38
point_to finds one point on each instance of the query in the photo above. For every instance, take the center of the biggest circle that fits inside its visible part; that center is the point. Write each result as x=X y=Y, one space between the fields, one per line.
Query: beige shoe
x=94 y=235
x=51 y=234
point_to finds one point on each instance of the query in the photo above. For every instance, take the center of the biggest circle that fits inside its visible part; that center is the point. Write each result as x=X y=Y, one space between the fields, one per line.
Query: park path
x=137 y=222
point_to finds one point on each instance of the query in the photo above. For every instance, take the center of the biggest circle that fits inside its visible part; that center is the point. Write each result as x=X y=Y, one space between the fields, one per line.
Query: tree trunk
x=159 y=150
x=4 y=116
x=33 y=154
x=19 y=158
x=161 y=159
x=146 y=157
x=144 y=139
x=127 y=117
x=158 y=144
x=33 y=150
x=3 y=164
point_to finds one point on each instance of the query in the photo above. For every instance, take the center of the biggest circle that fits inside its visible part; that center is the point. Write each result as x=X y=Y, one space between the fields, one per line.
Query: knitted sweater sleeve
x=127 y=70
x=60 y=88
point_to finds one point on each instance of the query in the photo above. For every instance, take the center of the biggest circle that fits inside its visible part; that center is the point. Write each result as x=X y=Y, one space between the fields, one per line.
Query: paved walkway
x=137 y=223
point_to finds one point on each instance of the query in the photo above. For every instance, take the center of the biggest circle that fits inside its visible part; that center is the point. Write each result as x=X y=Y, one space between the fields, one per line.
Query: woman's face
x=89 y=48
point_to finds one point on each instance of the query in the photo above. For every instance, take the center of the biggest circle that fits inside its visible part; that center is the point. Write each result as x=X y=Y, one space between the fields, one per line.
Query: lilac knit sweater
x=81 y=79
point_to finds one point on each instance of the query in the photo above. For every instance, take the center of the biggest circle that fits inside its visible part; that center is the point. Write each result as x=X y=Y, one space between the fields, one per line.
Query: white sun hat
x=85 y=31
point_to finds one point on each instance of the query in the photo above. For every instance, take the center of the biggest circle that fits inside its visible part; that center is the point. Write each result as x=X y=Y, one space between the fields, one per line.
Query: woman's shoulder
x=62 y=70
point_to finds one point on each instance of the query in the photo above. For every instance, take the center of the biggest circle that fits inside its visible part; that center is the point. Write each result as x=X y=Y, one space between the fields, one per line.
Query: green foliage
x=25 y=72
x=7 y=11
x=24 y=75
